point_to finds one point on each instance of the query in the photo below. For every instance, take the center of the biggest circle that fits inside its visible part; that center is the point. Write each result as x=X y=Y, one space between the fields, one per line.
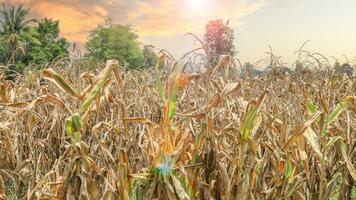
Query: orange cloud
x=169 y=17
x=149 y=18
x=76 y=18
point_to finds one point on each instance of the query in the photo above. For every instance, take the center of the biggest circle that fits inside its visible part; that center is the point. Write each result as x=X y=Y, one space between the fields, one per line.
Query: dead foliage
x=150 y=135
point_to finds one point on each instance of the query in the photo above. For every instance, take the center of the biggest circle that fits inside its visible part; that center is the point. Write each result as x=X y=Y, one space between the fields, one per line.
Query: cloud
x=76 y=18
x=169 y=17
x=150 y=18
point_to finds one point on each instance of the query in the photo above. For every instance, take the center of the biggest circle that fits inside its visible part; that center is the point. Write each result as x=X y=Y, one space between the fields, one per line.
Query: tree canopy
x=112 y=41
x=15 y=30
x=26 y=41
x=219 y=38
x=52 y=44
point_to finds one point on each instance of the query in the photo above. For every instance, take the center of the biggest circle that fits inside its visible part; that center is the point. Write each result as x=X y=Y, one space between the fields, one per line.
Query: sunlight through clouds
x=76 y=18
x=283 y=24
x=149 y=18
x=171 y=17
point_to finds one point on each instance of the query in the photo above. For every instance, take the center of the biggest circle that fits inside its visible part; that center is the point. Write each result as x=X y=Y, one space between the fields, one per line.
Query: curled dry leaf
x=56 y=78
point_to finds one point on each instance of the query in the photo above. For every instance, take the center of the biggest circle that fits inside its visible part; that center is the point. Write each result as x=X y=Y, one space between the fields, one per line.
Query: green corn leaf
x=311 y=107
x=252 y=114
x=244 y=124
x=343 y=105
x=288 y=172
x=173 y=101
x=77 y=121
x=73 y=126
x=69 y=127
x=56 y=78
x=197 y=146
x=95 y=91
x=248 y=123
x=159 y=87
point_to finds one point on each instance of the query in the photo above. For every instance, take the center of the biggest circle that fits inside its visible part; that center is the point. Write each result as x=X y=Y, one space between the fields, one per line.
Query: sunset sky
x=284 y=24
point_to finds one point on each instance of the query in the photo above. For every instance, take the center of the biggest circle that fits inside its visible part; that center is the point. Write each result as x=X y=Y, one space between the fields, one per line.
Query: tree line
x=37 y=42
x=26 y=41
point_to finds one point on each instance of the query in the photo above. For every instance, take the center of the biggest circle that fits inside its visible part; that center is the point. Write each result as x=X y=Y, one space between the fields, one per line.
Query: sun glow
x=196 y=4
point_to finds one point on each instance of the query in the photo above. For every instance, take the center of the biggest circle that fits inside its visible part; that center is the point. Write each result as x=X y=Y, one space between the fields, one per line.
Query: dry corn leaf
x=56 y=78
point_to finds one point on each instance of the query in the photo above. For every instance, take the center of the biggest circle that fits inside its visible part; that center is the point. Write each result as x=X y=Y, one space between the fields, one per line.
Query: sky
x=283 y=24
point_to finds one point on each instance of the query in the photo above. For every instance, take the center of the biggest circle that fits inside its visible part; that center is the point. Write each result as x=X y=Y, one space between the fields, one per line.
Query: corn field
x=156 y=134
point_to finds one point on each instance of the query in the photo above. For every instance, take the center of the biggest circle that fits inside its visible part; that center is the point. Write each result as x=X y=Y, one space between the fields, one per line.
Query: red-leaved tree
x=219 y=38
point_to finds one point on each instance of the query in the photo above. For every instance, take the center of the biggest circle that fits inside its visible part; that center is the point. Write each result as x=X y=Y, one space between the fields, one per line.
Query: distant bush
x=113 y=41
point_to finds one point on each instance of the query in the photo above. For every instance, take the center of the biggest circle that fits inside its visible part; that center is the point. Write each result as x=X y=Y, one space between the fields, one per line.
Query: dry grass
x=149 y=135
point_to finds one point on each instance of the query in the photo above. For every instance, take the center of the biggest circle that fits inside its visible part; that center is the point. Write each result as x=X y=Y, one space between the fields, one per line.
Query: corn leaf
x=56 y=78
x=332 y=141
x=172 y=102
x=288 y=172
x=159 y=87
x=3 y=93
x=252 y=114
x=302 y=128
x=311 y=107
x=95 y=91
x=181 y=193
x=73 y=126
x=349 y=164
x=312 y=140
x=343 y=105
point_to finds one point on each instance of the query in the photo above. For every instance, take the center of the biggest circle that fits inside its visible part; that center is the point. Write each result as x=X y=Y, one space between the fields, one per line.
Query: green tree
x=112 y=41
x=52 y=44
x=27 y=41
x=219 y=38
x=149 y=56
x=15 y=30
